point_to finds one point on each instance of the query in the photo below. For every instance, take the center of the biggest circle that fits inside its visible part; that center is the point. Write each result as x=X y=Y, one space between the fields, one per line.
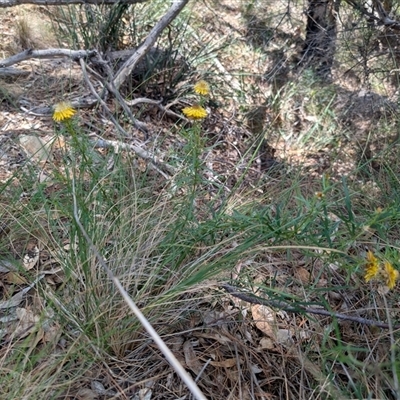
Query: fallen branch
x=295 y=308
x=45 y=111
x=113 y=83
x=12 y=3
x=9 y=71
x=110 y=87
x=165 y=110
x=48 y=53
x=142 y=50
x=103 y=143
x=101 y=101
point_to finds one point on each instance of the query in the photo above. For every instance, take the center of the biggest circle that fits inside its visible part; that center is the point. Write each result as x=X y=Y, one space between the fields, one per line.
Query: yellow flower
x=391 y=275
x=195 y=112
x=384 y=273
x=372 y=267
x=63 y=111
x=202 y=88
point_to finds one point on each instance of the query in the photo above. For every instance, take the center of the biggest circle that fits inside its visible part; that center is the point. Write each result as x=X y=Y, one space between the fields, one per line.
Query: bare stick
x=165 y=110
x=381 y=19
x=131 y=63
x=103 y=143
x=176 y=365
x=12 y=3
x=112 y=89
x=44 y=111
x=13 y=72
x=101 y=101
x=49 y=53
x=251 y=298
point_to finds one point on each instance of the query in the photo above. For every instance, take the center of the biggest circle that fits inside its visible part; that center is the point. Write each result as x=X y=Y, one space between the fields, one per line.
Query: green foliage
x=90 y=26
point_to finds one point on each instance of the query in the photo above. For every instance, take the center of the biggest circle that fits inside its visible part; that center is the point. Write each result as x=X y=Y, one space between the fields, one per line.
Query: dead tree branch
x=48 y=53
x=9 y=71
x=158 y=104
x=103 y=143
x=381 y=16
x=295 y=308
x=136 y=123
x=131 y=63
x=101 y=101
x=12 y=3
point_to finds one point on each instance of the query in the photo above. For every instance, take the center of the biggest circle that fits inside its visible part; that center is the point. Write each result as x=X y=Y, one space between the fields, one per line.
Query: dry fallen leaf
x=14 y=278
x=27 y=322
x=266 y=344
x=51 y=333
x=228 y=363
x=145 y=394
x=191 y=359
x=284 y=337
x=13 y=302
x=17 y=298
x=303 y=275
x=98 y=388
x=215 y=336
x=265 y=319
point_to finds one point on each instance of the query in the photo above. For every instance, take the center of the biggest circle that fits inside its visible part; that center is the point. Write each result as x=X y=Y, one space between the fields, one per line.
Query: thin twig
x=109 y=84
x=190 y=383
x=282 y=305
x=101 y=101
x=382 y=19
x=165 y=110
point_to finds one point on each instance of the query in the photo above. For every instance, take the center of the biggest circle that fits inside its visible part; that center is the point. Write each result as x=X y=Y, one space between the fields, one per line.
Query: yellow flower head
x=202 y=88
x=384 y=273
x=372 y=267
x=195 y=112
x=63 y=111
x=391 y=275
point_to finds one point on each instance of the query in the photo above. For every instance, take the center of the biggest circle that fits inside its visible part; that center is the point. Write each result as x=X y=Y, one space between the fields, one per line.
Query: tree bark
x=320 y=43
